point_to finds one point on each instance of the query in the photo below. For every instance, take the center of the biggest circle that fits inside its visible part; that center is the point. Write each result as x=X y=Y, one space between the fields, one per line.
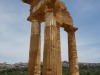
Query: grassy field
x=17 y=71
x=23 y=71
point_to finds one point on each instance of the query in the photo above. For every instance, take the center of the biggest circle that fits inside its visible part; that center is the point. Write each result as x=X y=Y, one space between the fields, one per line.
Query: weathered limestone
x=55 y=14
x=50 y=47
x=72 y=52
x=34 y=54
x=59 y=63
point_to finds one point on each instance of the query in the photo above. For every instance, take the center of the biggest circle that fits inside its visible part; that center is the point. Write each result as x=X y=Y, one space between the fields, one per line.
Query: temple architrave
x=55 y=15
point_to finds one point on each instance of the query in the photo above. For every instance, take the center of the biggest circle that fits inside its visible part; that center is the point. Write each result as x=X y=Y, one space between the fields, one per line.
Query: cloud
x=15 y=31
x=13 y=45
x=88 y=54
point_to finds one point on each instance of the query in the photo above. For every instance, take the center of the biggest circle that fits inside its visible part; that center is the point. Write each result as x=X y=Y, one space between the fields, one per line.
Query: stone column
x=34 y=53
x=50 y=44
x=59 y=63
x=72 y=51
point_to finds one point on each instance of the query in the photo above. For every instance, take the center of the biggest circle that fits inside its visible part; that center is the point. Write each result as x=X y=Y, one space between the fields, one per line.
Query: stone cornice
x=69 y=28
x=38 y=9
x=27 y=1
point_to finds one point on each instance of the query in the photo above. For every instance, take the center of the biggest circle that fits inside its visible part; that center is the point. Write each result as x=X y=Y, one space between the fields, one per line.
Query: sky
x=15 y=31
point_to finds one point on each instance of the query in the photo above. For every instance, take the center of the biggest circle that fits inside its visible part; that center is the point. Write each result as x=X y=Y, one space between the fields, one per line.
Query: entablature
x=38 y=7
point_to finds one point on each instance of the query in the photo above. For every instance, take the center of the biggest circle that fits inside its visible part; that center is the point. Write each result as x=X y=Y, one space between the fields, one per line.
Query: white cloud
x=89 y=54
x=15 y=32
x=14 y=45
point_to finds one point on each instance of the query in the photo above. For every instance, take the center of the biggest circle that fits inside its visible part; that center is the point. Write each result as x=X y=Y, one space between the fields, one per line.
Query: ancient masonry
x=55 y=15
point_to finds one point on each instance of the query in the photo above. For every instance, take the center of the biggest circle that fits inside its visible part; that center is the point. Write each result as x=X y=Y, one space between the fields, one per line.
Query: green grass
x=65 y=71
x=23 y=71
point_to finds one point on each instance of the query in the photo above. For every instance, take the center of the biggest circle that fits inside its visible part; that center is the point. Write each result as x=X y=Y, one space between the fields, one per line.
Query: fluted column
x=59 y=63
x=50 y=44
x=72 y=51
x=34 y=53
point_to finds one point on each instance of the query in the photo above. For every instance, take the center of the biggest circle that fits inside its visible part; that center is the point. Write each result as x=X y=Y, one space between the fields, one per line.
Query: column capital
x=50 y=18
x=69 y=28
x=35 y=19
x=48 y=9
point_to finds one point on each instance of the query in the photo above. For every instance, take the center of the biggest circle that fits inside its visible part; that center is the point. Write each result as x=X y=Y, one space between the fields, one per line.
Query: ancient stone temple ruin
x=55 y=15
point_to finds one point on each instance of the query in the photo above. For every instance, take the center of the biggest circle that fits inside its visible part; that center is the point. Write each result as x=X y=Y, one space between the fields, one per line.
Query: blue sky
x=15 y=30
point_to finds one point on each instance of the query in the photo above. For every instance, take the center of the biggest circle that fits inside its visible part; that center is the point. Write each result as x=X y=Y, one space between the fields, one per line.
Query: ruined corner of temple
x=47 y=11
